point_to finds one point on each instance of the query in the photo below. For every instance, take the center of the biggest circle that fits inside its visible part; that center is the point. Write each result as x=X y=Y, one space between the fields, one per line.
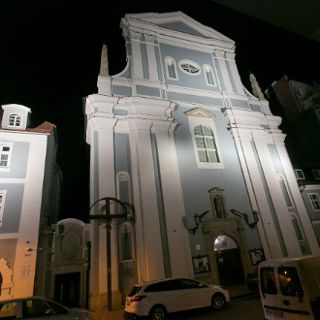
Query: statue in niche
x=219 y=207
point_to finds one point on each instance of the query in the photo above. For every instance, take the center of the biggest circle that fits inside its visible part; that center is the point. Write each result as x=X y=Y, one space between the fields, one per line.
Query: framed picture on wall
x=256 y=256
x=200 y=264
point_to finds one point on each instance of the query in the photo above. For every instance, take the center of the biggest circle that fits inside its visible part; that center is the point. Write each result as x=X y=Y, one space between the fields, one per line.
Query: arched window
x=14 y=120
x=209 y=75
x=171 y=68
x=206 y=145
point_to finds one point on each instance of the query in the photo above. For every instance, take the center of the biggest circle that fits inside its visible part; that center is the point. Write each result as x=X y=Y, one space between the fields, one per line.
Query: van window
x=289 y=282
x=267 y=281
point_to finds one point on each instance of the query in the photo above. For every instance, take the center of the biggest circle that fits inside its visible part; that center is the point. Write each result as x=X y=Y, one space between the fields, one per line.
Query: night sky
x=50 y=56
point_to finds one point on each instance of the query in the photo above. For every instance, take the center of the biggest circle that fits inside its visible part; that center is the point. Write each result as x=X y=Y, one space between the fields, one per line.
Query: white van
x=290 y=288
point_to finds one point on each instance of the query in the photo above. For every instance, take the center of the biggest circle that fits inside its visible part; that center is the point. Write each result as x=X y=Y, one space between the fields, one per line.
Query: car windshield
x=134 y=290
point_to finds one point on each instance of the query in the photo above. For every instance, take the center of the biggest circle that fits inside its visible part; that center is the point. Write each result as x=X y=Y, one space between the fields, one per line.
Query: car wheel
x=158 y=313
x=218 y=301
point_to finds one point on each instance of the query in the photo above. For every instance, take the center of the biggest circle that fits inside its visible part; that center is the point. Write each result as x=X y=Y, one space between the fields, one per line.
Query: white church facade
x=200 y=159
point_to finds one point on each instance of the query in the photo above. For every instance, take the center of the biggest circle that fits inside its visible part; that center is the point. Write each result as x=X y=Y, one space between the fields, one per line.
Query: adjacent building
x=29 y=196
x=299 y=104
x=200 y=159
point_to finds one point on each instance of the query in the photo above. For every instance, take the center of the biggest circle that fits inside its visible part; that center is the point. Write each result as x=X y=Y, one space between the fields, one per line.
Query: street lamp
x=107 y=218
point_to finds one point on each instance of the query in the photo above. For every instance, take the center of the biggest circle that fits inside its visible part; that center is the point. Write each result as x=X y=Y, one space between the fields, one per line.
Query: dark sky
x=50 y=55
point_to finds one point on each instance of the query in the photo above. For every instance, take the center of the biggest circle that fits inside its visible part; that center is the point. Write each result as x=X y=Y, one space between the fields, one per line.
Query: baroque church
x=199 y=160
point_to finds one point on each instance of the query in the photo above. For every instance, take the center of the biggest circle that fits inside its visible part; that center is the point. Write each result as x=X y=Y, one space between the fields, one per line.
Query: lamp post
x=107 y=218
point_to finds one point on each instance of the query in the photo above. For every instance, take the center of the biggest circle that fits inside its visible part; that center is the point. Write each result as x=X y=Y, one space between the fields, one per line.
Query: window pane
x=200 y=143
x=198 y=131
x=209 y=143
x=212 y=157
x=171 y=70
x=297 y=228
x=209 y=77
x=268 y=284
x=207 y=131
x=289 y=282
x=202 y=156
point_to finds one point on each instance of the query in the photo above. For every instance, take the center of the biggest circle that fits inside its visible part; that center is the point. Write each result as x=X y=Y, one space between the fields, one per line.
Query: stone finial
x=256 y=90
x=104 y=65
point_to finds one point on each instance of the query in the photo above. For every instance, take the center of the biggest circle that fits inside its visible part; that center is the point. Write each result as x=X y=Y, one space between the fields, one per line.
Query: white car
x=157 y=298
x=39 y=308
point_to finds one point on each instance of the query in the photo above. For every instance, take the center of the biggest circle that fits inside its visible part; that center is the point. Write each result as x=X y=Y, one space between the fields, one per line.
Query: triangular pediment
x=180 y=22
x=199 y=112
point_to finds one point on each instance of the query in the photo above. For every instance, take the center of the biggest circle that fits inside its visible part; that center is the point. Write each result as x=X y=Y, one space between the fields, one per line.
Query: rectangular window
x=316 y=174
x=315 y=201
x=3 y=194
x=289 y=282
x=268 y=284
x=5 y=155
x=299 y=174
x=209 y=77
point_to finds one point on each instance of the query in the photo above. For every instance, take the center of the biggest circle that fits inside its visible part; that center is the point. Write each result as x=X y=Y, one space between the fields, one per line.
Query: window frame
x=209 y=144
x=299 y=172
x=314 y=201
x=9 y=153
x=207 y=69
x=192 y=64
x=17 y=118
x=169 y=61
x=205 y=118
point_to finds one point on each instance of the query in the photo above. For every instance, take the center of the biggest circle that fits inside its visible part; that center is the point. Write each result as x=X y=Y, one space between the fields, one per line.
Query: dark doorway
x=228 y=261
x=67 y=289
x=230 y=267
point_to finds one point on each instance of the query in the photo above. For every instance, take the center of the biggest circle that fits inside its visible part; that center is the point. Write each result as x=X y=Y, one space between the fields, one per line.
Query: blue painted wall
x=12 y=209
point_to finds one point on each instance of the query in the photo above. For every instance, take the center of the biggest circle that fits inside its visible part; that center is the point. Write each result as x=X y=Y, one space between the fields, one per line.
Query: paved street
x=242 y=308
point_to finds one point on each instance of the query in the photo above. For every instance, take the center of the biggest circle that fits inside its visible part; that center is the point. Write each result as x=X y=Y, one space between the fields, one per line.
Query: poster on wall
x=200 y=264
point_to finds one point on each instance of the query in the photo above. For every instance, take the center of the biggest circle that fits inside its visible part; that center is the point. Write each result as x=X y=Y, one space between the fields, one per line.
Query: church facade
x=199 y=159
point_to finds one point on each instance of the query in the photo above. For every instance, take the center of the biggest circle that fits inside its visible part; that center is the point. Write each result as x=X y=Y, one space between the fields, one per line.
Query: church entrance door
x=228 y=261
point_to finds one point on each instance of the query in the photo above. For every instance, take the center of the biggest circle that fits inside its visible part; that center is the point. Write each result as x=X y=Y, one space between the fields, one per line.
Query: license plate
x=274 y=313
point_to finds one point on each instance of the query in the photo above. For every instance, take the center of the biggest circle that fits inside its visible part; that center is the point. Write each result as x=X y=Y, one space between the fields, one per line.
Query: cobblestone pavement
x=240 y=308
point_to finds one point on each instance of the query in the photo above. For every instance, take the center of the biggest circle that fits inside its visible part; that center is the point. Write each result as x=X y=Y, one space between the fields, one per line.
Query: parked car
x=39 y=308
x=156 y=299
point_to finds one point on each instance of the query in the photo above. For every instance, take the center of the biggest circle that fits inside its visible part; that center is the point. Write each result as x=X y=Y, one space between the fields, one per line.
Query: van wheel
x=158 y=313
x=218 y=301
